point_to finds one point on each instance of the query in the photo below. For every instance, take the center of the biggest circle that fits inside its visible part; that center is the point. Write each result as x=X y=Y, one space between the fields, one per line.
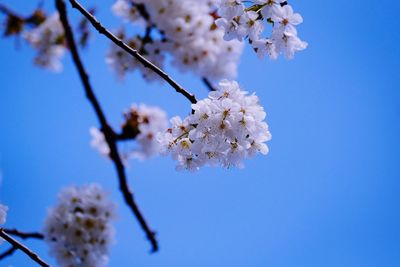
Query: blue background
x=327 y=194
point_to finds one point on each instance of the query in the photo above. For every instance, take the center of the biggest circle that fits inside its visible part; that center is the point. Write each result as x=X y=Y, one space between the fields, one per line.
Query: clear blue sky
x=326 y=195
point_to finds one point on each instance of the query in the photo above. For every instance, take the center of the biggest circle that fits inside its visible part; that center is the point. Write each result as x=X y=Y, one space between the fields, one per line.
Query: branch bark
x=145 y=62
x=26 y=250
x=23 y=235
x=108 y=132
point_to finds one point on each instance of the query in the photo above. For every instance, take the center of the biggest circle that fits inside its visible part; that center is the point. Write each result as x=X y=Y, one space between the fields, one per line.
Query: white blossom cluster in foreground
x=245 y=19
x=225 y=128
x=187 y=32
x=3 y=213
x=142 y=124
x=48 y=40
x=78 y=229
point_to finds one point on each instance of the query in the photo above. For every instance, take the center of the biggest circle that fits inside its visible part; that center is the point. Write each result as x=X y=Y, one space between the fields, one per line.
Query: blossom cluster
x=122 y=62
x=187 y=32
x=48 y=40
x=240 y=20
x=223 y=130
x=78 y=229
x=142 y=124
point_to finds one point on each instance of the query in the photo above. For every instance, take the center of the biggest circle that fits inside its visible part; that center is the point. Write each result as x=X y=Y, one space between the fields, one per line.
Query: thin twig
x=146 y=16
x=145 y=62
x=24 y=235
x=7 y=253
x=109 y=134
x=208 y=84
x=23 y=248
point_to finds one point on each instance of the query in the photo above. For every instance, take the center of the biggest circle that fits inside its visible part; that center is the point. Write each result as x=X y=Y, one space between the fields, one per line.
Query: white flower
x=265 y=47
x=151 y=121
x=286 y=20
x=126 y=10
x=270 y=7
x=288 y=43
x=48 y=40
x=3 y=213
x=225 y=128
x=252 y=26
x=99 y=142
x=231 y=27
x=231 y=8
x=249 y=23
x=191 y=37
x=122 y=62
x=138 y=135
x=78 y=229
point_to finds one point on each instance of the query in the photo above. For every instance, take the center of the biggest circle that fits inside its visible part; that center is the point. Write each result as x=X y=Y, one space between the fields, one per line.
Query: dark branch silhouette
x=26 y=250
x=7 y=253
x=146 y=63
x=24 y=235
x=7 y=11
x=208 y=84
x=109 y=134
x=20 y=234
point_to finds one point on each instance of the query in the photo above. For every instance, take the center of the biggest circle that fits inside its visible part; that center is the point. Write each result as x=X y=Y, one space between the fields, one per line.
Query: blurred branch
x=145 y=62
x=208 y=84
x=24 y=235
x=8 y=253
x=7 y=11
x=17 y=245
x=108 y=132
x=15 y=23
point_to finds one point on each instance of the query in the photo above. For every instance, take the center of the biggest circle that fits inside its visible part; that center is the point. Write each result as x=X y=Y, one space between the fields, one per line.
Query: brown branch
x=146 y=63
x=24 y=235
x=23 y=248
x=109 y=134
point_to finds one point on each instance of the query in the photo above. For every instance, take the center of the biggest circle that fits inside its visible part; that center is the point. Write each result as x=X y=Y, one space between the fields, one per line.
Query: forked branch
x=145 y=62
x=19 y=246
x=108 y=132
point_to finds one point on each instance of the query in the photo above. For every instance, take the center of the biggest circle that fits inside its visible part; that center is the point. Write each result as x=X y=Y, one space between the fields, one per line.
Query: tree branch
x=108 y=132
x=208 y=84
x=23 y=248
x=5 y=10
x=145 y=62
x=8 y=252
x=24 y=235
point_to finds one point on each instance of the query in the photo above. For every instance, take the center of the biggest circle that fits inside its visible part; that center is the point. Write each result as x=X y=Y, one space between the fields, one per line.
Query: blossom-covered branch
x=109 y=134
x=26 y=250
x=245 y=20
x=146 y=63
